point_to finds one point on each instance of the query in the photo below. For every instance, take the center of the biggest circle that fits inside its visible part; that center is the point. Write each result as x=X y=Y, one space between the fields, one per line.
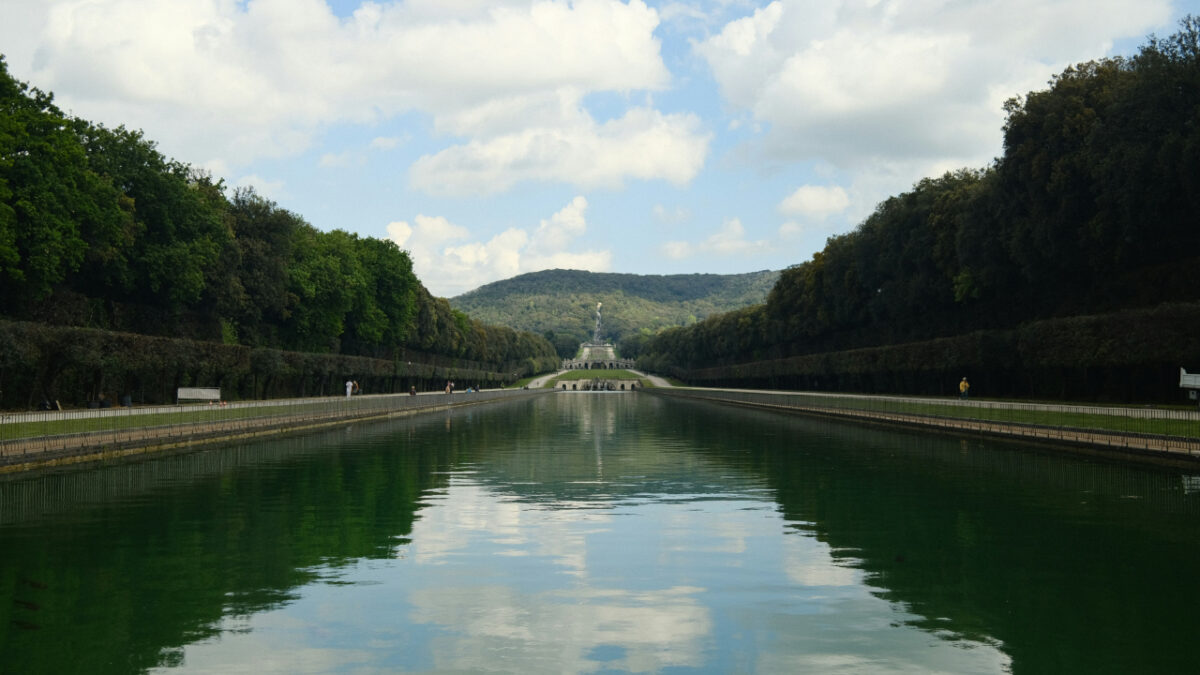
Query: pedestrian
x=412 y=391
x=349 y=388
x=963 y=388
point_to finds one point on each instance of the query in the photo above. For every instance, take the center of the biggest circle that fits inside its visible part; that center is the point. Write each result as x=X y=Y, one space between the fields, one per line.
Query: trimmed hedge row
x=82 y=366
x=1125 y=356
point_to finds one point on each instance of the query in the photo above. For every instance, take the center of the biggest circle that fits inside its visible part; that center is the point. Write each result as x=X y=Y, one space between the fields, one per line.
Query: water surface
x=602 y=533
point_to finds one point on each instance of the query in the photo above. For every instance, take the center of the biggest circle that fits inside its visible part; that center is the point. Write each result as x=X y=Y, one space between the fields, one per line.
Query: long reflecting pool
x=602 y=533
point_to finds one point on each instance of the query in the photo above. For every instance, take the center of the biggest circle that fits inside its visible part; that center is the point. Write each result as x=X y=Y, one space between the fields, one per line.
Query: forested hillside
x=100 y=230
x=561 y=304
x=1091 y=211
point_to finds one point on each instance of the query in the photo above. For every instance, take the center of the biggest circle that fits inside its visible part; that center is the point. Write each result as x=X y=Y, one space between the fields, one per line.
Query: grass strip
x=121 y=420
x=1105 y=421
x=598 y=374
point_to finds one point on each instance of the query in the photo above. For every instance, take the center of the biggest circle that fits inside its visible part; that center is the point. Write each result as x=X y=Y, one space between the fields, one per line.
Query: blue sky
x=494 y=138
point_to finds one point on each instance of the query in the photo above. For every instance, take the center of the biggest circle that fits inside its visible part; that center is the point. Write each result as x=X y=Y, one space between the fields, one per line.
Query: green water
x=602 y=533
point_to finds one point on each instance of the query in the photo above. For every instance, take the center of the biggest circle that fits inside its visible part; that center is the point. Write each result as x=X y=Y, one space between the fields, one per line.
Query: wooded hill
x=561 y=304
x=1069 y=268
x=100 y=231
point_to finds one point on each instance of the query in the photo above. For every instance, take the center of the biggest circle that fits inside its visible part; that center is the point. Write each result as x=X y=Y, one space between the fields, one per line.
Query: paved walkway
x=130 y=431
x=1173 y=450
x=654 y=379
x=541 y=380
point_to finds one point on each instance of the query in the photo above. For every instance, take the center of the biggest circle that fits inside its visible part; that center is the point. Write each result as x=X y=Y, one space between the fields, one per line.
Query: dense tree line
x=656 y=287
x=1090 y=210
x=561 y=304
x=98 y=229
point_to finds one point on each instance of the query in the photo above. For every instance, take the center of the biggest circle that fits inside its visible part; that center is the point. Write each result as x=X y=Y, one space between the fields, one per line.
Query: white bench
x=1190 y=381
x=197 y=394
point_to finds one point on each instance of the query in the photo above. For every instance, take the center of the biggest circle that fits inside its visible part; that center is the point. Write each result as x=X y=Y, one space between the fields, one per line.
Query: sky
x=490 y=138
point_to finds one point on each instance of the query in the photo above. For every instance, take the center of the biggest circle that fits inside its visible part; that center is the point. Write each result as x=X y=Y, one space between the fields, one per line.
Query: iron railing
x=1137 y=428
x=46 y=435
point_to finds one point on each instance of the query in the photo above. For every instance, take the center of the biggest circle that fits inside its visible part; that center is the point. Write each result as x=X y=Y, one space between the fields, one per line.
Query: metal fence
x=48 y=435
x=1140 y=429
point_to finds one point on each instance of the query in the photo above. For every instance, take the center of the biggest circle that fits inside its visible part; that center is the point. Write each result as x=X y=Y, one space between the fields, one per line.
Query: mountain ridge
x=560 y=304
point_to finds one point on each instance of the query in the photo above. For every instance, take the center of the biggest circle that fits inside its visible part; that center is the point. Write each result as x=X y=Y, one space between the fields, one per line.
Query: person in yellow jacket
x=963 y=388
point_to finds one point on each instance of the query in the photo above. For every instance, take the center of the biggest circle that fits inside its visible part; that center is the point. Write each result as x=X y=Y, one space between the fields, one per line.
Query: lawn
x=599 y=374
x=119 y=419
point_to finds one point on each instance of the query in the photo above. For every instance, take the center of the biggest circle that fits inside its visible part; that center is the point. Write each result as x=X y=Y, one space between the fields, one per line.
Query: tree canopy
x=1090 y=209
x=98 y=229
x=561 y=304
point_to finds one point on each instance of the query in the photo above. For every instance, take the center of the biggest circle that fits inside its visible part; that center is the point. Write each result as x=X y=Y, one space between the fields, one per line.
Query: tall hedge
x=77 y=366
x=1133 y=355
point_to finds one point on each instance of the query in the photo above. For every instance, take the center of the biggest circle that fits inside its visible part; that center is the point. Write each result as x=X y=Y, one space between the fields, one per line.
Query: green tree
x=181 y=229
x=325 y=276
x=56 y=212
x=385 y=307
x=266 y=237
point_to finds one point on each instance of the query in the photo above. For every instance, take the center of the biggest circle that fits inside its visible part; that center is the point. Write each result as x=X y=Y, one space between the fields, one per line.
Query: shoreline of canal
x=201 y=425
x=140 y=432
x=1131 y=446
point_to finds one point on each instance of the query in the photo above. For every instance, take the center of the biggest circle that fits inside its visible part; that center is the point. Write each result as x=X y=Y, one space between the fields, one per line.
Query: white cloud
x=816 y=201
x=475 y=97
x=238 y=81
x=448 y=268
x=677 y=250
x=429 y=232
x=701 y=17
x=671 y=216
x=810 y=562
x=555 y=234
x=275 y=190
x=657 y=628
x=386 y=142
x=791 y=230
x=340 y=160
x=643 y=144
x=681 y=12
x=729 y=240
x=858 y=82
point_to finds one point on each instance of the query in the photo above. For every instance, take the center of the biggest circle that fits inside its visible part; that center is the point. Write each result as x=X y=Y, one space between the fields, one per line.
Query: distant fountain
x=597 y=353
x=596 y=333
